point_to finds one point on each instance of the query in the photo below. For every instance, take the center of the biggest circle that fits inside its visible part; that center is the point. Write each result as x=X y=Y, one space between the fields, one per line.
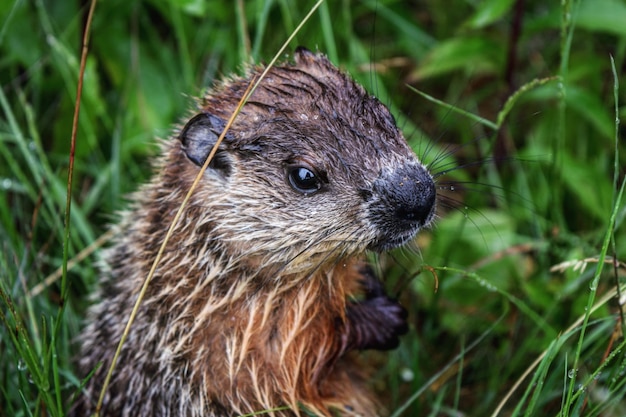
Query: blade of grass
x=327 y=32
x=82 y=255
x=181 y=40
x=616 y=173
x=441 y=372
x=70 y=173
x=523 y=307
x=26 y=351
x=538 y=378
x=569 y=331
x=608 y=238
x=242 y=31
x=617 y=352
x=51 y=357
x=513 y=98
x=261 y=25
x=567 y=34
x=454 y=109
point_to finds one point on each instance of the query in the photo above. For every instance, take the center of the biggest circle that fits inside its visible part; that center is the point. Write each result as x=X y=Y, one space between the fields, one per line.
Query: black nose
x=403 y=202
x=410 y=193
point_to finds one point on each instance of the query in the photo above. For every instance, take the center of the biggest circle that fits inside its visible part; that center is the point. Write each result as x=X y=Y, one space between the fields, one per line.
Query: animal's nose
x=411 y=194
x=403 y=201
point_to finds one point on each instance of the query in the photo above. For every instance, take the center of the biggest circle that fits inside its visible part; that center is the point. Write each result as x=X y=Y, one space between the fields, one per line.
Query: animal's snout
x=404 y=203
x=411 y=195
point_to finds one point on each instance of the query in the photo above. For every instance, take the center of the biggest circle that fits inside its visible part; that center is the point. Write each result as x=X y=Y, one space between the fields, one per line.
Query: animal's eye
x=303 y=179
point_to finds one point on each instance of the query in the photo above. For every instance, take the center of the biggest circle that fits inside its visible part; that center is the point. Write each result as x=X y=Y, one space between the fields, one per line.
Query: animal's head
x=313 y=169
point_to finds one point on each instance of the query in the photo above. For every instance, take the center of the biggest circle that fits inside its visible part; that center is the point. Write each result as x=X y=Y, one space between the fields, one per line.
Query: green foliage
x=520 y=129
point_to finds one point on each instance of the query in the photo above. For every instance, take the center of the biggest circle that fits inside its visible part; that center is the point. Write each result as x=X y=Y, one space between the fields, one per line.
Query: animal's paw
x=377 y=323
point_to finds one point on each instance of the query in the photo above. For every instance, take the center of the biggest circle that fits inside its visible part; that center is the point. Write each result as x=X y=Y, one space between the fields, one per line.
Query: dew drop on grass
x=407 y=375
x=7 y=183
x=593 y=285
x=488 y=286
x=571 y=373
x=21 y=366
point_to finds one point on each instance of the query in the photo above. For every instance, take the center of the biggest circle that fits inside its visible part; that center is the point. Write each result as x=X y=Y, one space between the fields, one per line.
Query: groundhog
x=263 y=297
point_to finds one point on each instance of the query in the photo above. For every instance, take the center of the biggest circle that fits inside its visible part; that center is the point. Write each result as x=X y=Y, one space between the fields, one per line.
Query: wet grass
x=513 y=295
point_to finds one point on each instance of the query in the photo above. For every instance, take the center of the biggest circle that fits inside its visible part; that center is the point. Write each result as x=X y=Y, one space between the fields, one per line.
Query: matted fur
x=262 y=298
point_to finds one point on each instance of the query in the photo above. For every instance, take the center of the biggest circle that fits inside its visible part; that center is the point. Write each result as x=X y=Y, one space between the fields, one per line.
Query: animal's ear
x=198 y=138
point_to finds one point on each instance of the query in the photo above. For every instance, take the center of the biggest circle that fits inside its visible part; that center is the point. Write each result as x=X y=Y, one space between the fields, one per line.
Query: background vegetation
x=508 y=275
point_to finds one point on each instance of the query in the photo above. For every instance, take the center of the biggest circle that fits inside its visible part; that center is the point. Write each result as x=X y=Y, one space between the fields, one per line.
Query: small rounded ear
x=198 y=138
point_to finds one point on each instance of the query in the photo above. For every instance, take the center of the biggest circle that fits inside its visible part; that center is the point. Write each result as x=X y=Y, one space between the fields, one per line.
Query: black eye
x=303 y=180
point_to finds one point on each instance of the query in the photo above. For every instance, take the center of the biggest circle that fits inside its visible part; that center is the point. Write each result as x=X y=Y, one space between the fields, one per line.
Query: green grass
x=512 y=273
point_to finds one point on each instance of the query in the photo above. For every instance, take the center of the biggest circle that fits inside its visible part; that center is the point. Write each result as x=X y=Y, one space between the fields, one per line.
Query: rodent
x=263 y=296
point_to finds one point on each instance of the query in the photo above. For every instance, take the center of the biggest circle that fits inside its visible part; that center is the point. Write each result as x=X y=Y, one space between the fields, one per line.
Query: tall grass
x=514 y=295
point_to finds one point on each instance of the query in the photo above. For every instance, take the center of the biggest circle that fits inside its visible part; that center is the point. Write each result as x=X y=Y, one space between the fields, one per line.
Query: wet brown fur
x=250 y=308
